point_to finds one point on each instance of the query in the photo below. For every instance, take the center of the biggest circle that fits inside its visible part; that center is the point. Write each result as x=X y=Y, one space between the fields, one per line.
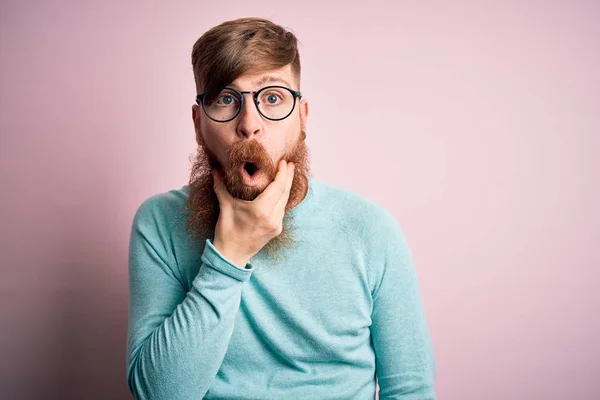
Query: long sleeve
x=404 y=353
x=176 y=340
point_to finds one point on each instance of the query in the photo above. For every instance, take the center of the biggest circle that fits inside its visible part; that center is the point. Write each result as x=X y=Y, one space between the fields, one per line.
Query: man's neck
x=299 y=199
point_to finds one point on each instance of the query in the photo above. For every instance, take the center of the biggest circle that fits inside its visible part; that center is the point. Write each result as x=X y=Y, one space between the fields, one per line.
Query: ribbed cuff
x=214 y=259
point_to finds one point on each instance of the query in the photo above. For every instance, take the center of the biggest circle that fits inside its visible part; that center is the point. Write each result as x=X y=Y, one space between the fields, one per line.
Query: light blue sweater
x=342 y=309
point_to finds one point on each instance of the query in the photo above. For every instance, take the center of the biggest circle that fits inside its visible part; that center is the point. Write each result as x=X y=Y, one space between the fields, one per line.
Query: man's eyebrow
x=272 y=79
x=264 y=80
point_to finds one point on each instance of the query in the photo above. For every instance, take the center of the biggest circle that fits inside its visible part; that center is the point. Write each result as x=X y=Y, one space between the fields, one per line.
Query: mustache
x=239 y=154
x=252 y=151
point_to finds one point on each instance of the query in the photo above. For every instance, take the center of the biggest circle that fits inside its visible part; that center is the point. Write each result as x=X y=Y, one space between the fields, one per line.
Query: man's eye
x=226 y=100
x=272 y=98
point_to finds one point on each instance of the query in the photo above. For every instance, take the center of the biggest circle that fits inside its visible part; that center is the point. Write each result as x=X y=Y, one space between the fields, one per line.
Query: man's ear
x=304 y=111
x=196 y=119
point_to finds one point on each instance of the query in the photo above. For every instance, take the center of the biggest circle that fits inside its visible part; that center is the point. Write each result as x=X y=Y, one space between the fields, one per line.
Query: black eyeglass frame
x=295 y=94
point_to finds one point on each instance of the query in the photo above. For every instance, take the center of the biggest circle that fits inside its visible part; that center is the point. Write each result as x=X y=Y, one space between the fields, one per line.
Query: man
x=255 y=280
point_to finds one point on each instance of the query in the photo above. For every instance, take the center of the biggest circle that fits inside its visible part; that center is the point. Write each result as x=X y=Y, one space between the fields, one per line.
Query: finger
x=220 y=189
x=282 y=203
x=271 y=195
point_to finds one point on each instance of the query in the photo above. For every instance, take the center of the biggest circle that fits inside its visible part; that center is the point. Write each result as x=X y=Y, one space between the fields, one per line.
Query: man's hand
x=244 y=227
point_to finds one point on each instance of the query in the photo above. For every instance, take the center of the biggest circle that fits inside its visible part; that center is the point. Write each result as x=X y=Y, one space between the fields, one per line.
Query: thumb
x=220 y=189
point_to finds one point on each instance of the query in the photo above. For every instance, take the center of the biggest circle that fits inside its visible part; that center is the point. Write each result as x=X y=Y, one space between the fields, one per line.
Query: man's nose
x=249 y=120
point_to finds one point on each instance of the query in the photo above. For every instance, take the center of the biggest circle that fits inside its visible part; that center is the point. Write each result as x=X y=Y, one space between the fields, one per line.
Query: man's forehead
x=282 y=76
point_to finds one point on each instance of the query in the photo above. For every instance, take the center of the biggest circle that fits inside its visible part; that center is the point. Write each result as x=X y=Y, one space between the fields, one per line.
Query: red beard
x=202 y=202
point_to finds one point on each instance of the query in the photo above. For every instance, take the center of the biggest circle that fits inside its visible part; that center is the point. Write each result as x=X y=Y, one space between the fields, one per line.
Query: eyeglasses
x=273 y=102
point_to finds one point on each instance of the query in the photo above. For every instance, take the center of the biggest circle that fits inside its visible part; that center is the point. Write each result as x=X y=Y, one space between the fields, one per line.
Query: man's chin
x=249 y=192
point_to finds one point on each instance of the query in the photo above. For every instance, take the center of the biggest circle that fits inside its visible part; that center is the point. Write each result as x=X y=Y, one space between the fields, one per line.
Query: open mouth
x=250 y=168
x=251 y=173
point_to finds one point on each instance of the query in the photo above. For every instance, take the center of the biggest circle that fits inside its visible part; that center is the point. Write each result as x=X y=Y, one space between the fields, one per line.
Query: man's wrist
x=231 y=255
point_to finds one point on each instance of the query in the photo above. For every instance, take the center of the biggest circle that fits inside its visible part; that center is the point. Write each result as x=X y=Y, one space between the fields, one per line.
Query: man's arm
x=403 y=348
x=176 y=340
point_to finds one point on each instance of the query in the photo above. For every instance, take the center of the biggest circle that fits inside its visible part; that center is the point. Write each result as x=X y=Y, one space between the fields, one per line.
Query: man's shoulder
x=351 y=203
x=164 y=208
x=366 y=225
x=356 y=210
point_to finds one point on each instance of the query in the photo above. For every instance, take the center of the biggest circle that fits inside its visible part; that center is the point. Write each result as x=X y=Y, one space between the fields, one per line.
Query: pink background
x=477 y=125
